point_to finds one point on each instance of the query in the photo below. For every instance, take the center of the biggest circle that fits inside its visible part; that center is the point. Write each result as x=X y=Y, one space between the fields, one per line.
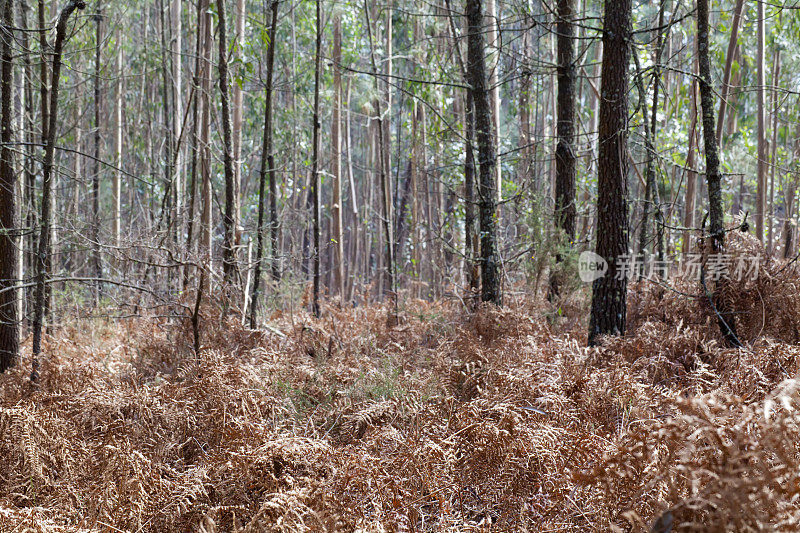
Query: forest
x=399 y=265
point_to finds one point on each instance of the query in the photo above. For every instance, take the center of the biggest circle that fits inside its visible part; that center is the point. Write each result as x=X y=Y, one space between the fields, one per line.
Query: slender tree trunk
x=231 y=219
x=117 y=185
x=98 y=102
x=493 y=60
x=609 y=292
x=206 y=229
x=726 y=78
x=315 y=181
x=236 y=118
x=487 y=186
x=267 y=169
x=336 y=149
x=776 y=75
x=713 y=174
x=42 y=262
x=691 y=178
x=761 y=182
x=9 y=326
x=565 y=211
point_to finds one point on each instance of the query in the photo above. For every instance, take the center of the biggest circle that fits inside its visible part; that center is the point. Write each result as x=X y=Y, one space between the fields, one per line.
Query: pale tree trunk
x=206 y=230
x=98 y=102
x=356 y=233
x=691 y=178
x=493 y=63
x=487 y=183
x=761 y=189
x=116 y=189
x=336 y=153
x=176 y=41
x=237 y=112
x=776 y=76
x=726 y=78
x=609 y=292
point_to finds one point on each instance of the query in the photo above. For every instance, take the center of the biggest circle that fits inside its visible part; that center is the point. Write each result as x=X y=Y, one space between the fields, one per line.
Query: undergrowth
x=446 y=422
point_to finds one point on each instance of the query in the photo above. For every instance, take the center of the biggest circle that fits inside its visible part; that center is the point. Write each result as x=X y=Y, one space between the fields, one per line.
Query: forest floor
x=496 y=420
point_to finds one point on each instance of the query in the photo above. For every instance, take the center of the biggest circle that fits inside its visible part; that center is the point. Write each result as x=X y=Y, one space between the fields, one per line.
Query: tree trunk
x=713 y=175
x=336 y=149
x=315 y=181
x=9 y=327
x=726 y=78
x=43 y=259
x=761 y=182
x=98 y=102
x=609 y=292
x=267 y=169
x=231 y=219
x=116 y=204
x=487 y=186
x=565 y=212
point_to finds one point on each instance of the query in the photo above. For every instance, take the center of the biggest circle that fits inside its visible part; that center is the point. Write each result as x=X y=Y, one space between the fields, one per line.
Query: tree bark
x=267 y=169
x=726 y=78
x=487 y=186
x=336 y=149
x=609 y=293
x=9 y=326
x=43 y=259
x=315 y=182
x=713 y=175
x=230 y=221
x=761 y=182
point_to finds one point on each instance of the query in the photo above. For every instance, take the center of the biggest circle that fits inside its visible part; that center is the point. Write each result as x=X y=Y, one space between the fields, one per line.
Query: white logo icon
x=591 y=266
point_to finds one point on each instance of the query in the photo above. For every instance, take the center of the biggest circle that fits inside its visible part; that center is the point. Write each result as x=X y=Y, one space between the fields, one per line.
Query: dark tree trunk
x=487 y=184
x=97 y=265
x=609 y=292
x=9 y=328
x=267 y=169
x=565 y=211
x=228 y=247
x=315 y=163
x=565 y=154
x=725 y=317
x=43 y=254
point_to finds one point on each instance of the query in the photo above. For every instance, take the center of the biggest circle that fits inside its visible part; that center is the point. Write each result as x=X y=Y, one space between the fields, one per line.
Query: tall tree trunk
x=98 y=102
x=565 y=151
x=43 y=260
x=713 y=175
x=230 y=221
x=691 y=178
x=609 y=292
x=117 y=185
x=776 y=75
x=315 y=181
x=176 y=45
x=761 y=182
x=206 y=229
x=493 y=46
x=726 y=78
x=267 y=169
x=9 y=327
x=237 y=112
x=336 y=149
x=487 y=186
